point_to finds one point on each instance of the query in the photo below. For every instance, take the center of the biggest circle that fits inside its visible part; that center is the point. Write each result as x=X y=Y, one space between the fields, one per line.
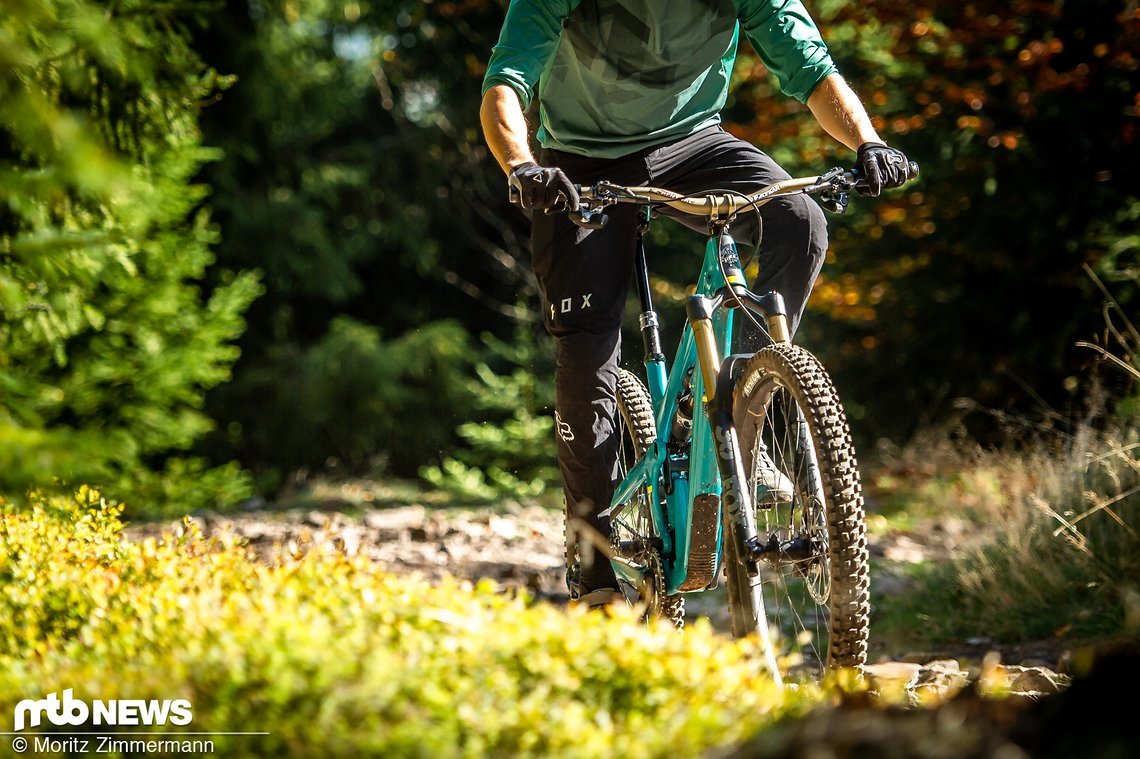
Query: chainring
x=660 y=604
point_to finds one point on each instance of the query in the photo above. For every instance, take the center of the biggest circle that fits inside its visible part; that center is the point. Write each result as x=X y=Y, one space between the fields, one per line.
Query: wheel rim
x=814 y=594
x=634 y=535
x=631 y=527
x=797 y=586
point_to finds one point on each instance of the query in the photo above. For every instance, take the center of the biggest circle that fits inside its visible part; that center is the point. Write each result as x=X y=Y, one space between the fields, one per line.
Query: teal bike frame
x=684 y=495
x=699 y=482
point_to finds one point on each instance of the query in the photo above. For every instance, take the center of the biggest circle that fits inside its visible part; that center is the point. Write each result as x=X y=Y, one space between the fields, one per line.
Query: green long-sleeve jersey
x=616 y=76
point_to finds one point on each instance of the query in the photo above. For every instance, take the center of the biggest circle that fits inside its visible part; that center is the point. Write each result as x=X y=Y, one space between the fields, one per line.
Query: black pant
x=584 y=276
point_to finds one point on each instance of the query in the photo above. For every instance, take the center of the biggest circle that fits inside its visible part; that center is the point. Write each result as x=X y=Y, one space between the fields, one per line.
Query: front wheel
x=813 y=584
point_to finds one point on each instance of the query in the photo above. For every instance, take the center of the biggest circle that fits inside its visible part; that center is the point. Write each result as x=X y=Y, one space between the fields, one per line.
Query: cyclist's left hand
x=883 y=167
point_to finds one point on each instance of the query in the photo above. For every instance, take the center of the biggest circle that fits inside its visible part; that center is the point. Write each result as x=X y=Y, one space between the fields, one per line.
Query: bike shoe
x=772 y=486
x=574 y=580
x=600 y=599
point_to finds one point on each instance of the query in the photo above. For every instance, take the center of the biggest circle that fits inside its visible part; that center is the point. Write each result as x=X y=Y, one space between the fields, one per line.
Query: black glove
x=883 y=167
x=534 y=187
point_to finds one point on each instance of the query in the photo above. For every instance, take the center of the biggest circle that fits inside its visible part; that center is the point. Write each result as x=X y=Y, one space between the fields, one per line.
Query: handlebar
x=832 y=187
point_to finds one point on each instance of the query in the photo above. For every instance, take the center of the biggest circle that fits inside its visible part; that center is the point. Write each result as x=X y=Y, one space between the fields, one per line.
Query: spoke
x=823 y=516
x=799 y=590
x=807 y=636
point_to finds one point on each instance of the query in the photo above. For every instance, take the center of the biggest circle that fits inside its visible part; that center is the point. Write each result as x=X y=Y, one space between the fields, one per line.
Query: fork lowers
x=778 y=328
x=699 y=311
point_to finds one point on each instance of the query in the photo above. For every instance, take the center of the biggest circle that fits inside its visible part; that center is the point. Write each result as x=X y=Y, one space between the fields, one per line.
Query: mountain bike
x=738 y=465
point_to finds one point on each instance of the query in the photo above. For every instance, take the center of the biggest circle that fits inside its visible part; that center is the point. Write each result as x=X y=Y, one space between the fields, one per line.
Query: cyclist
x=631 y=91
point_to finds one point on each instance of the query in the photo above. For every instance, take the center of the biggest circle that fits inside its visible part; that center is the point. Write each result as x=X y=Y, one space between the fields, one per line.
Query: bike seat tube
x=650 y=325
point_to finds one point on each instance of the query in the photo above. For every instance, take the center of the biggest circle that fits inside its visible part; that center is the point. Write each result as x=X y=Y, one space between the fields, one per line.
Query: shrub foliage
x=1062 y=552
x=331 y=656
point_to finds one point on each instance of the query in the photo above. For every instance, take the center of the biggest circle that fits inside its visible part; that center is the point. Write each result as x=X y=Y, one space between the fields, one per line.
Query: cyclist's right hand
x=546 y=189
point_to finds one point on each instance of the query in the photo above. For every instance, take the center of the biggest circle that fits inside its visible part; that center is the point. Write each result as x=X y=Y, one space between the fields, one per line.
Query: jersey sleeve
x=788 y=42
x=528 y=39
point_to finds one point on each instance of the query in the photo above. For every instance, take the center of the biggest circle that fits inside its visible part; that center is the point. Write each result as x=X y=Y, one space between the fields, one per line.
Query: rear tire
x=637 y=431
x=815 y=588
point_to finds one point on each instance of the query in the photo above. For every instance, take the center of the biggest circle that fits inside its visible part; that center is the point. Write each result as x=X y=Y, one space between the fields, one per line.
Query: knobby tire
x=637 y=431
x=818 y=608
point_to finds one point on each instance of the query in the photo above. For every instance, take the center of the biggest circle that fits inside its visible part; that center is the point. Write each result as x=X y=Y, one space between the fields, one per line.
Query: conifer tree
x=107 y=339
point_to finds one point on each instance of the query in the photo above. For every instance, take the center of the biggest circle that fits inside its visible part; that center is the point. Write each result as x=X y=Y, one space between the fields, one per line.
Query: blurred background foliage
x=304 y=182
x=107 y=341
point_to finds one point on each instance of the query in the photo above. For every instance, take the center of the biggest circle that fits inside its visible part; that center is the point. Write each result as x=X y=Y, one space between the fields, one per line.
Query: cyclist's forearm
x=504 y=127
x=841 y=114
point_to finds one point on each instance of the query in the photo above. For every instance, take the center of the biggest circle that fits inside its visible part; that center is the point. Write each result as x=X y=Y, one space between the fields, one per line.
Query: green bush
x=332 y=657
x=107 y=341
x=508 y=441
x=1060 y=555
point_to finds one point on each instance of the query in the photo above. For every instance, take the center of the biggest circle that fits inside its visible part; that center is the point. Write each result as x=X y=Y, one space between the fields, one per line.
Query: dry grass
x=1059 y=515
x=1058 y=524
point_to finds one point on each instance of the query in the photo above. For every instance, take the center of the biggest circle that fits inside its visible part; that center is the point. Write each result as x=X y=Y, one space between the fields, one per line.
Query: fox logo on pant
x=564 y=430
x=566 y=305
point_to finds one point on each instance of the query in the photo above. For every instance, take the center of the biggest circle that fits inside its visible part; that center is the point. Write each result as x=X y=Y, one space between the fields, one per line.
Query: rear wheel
x=635 y=537
x=813 y=583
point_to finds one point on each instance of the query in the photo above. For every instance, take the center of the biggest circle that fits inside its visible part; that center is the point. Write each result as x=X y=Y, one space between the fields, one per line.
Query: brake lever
x=583 y=217
x=840 y=182
x=588 y=219
x=835 y=200
x=836 y=197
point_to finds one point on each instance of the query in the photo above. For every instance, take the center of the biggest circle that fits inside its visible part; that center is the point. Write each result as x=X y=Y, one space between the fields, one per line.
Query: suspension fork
x=719 y=379
x=733 y=294
x=813 y=483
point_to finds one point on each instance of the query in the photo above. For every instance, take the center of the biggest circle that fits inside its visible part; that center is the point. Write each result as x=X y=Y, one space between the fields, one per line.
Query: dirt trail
x=520 y=546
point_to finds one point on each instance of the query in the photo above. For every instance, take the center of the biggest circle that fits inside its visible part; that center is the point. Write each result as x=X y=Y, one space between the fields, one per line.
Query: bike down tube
x=704 y=480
